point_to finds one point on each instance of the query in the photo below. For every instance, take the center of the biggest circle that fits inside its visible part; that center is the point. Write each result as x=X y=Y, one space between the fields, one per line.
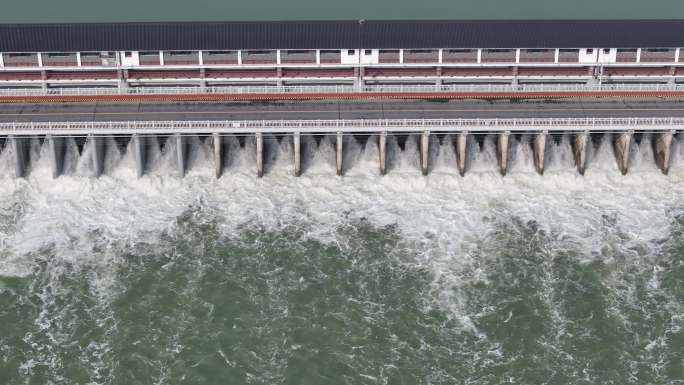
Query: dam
x=461 y=134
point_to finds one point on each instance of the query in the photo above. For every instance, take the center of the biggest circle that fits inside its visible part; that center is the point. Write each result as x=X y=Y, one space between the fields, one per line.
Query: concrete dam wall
x=93 y=140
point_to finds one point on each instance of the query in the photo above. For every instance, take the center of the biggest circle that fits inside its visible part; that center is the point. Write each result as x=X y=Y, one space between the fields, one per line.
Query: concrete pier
x=424 y=151
x=339 y=153
x=539 y=147
x=137 y=146
x=621 y=147
x=218 y=154
x=20 y=147
x=662 y=150
x=297 y=149
x=56 y=154
x=502 y=151
x=382 y=149
x=259 y=154
x=98 y=152
x=461 y=151
x=580 y=151
x=181 y=152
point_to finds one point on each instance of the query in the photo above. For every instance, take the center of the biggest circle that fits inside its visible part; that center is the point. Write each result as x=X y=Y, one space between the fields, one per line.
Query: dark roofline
x=341 y=35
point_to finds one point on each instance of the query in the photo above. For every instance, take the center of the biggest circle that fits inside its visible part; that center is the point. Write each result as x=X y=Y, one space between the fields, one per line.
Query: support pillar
x=580 y=151
x=538 y=148
x=181 y=150
x=218 y=154
x=424 y=151
x=97 y=148
x=56 y=153
x=662 y=150
x=20 y=149
x=621 y=146
x=382 y=146
x=259 y=154
x=137 y=144
x=339 y=152
x=296 y=143
x=502 y=151
x=461 y=151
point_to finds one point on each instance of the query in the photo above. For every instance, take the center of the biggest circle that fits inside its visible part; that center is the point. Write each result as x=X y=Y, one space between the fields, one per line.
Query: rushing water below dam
x=361 y=279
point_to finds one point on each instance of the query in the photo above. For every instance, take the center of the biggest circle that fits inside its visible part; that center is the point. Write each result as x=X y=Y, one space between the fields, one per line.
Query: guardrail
x=345 y=126
x=342 y=89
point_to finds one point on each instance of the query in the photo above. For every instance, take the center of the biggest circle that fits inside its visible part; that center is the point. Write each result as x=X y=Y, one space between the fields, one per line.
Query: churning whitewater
x=360 y=279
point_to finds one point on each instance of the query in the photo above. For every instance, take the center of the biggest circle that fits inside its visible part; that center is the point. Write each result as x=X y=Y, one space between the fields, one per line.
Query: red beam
x=332 y=95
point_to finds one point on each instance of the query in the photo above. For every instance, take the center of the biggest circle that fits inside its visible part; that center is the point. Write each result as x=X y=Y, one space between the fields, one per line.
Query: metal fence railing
x=343 y=125
x=342 y=89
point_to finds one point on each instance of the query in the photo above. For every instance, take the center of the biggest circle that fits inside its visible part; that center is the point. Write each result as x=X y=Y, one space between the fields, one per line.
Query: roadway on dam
x=368 y=109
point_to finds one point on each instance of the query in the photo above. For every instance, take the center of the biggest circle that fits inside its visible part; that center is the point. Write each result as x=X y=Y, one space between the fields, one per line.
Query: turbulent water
x=361 y=279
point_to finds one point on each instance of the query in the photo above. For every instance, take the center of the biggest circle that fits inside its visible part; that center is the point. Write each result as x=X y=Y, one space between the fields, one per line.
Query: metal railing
x=343 y=125
x=342 y=89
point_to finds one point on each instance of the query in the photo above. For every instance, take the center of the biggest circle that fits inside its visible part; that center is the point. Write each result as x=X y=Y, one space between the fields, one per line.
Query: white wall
x=372 y=57
x=133 y=60
x=607 y=57
x=588 y=57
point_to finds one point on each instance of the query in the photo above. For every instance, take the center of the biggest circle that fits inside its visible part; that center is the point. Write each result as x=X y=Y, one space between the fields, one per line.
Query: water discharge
x=360 y=279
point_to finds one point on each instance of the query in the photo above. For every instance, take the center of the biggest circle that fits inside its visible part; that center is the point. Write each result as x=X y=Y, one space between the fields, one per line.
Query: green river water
x=363 y=279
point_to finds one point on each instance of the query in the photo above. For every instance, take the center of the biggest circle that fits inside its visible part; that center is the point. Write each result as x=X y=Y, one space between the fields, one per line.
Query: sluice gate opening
x=91 y=153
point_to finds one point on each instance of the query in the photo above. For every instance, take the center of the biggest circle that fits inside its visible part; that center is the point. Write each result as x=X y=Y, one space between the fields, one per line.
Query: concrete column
x=556 y=55
x=382 y=147
x=538 y=147
x=181 y=151
x=278 y=57
x=638 y=55
x=580 y=151
x=239 y=57
x=479 y=55
x=440 y=55
x=621 y=146
x=339 y=152
x=218 y=154
x=138 y=148
x=502 y=151
x=676 y=59
x=461 y=151
x=318 y=56
x=40 y=59
x=56 y=153
x=424 y=151
x=401 y=56
x=21 y=154
x=97 y=148
x=200 y=57
x=161 y=57
x=259 y=154
x=78 y=59
x=662 y=150
x=297 y=148
x=2 y=60
x=517 y=55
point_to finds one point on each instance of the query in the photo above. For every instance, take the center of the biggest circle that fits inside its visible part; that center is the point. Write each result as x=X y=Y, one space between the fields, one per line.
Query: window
x=368 y=52
x=460 y=50
x=626 y=50
x=590 y=51
x=180 y=53
x=420 y=51
x=569 y=50
x=606 y=51
x=128 y=54
x=499 y=50
x=658 y=50
x=351 y=52
x=298 y=52
x=537 y=50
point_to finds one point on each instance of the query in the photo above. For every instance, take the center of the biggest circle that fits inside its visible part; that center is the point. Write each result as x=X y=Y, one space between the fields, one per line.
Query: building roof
x=120 y=11
x=340 y=35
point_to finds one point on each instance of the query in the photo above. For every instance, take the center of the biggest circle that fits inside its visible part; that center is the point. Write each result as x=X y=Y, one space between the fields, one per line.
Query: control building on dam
x=113 y=58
